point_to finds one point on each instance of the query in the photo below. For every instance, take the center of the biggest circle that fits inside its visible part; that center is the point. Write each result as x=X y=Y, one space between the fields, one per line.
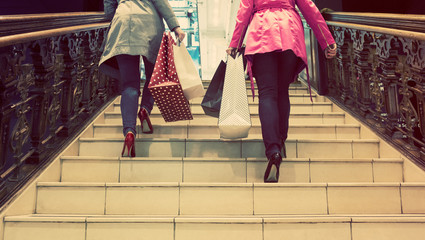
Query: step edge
x=267 y=219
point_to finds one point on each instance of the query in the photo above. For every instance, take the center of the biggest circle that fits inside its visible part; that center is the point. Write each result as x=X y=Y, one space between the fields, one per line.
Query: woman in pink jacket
x=276 y=52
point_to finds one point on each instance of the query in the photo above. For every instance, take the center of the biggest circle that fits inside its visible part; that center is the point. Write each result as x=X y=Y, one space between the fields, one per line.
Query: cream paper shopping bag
x=234 y=120
x=187 y=73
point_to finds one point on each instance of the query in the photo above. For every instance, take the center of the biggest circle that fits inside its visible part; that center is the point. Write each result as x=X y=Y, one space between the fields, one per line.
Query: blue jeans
x=129 y=66
x=274 y=72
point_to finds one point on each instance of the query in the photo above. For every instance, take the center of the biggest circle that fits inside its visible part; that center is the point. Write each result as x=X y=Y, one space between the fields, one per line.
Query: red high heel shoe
x=129 y=144
x=145 y=122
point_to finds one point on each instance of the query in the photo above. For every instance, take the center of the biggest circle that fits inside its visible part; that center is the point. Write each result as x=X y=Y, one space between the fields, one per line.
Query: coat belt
x=281 y=5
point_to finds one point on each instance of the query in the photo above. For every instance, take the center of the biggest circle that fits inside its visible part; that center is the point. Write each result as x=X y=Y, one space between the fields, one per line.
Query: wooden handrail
x=26 y=37
x=407 y=22
x=393 y=32
x=17 y=24
x=32 y=17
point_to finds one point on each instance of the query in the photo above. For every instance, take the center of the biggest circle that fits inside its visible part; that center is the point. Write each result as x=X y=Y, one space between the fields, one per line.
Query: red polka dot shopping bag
x=165 y=86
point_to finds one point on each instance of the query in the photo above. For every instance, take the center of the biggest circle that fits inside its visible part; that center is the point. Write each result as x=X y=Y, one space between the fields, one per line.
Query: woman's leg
x=288 y=63
x=129 y=66
x=266 y=69
x=147 y=99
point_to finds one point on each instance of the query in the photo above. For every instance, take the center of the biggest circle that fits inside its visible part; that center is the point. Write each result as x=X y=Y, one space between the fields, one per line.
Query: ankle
x=130 y=132
x=276 y=158
x=144 y=110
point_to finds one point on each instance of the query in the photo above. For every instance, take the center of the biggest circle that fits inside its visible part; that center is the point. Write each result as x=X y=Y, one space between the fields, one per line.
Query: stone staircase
x=339 y=182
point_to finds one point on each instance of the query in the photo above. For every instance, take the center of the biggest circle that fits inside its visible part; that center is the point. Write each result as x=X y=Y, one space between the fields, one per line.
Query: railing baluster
x=70 y=47
x=17 y=78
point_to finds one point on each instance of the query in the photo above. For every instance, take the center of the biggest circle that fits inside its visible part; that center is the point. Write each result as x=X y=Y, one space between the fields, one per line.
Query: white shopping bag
x=234 y=120
x=188 y=74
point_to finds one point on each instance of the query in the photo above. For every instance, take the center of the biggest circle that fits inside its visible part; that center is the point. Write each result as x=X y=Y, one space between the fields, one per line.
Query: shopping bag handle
x=177 y=41
x=234 y=55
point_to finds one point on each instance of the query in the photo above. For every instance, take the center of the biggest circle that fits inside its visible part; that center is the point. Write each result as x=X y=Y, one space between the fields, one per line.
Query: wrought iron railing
x=379 y=74
x=50 y=88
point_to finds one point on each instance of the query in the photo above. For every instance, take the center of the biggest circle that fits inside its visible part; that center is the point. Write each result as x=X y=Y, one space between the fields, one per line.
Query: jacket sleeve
x=316 y=22
x=242 y=21
x=109 y=7
x=167 y=13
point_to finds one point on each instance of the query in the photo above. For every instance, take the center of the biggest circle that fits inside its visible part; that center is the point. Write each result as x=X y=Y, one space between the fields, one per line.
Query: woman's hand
x=330 y=51
x=231 y=51
x=179 y=33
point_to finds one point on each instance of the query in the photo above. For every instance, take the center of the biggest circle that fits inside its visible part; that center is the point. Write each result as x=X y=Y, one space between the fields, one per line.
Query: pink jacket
x=275 y=25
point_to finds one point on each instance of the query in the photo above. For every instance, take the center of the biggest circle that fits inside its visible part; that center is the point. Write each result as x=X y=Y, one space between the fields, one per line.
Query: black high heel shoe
x=129 y=145
x=272 y=172
x=145 y=122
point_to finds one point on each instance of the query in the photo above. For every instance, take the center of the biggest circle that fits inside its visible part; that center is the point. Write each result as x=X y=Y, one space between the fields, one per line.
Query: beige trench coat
x=136 y=29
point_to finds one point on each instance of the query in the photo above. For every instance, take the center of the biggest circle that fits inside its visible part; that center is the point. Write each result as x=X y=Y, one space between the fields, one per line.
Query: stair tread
x=420 y=218
x=291 y=114
x=228 y=198
x=320 y=125
x=210 y=130
x=256 y=103
x=194 y=184
x=116 y=139
x=290 y=94
x=181 y=146
x=220 y=159
x=224 y=169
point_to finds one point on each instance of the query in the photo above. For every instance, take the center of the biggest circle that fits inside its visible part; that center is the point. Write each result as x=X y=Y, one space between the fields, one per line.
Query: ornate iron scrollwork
x=54 y=111
x=48 y=65
x=16 y=80
x=41 y=93
x=386 y=79
x=344 y=59
x=408 y=114
x=377 y=89
x=22 y=129
x=385 y=75
x=383 y=44
x=415 y=53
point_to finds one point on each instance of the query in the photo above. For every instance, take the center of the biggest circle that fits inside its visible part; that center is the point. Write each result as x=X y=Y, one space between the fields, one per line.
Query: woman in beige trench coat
x=136 y=30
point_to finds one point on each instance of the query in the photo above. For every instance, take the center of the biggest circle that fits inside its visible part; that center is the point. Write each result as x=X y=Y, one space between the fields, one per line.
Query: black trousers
x=274 y=72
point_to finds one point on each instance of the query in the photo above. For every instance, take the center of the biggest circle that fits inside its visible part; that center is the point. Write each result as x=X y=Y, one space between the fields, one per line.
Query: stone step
x=229 y=198
x=292 y=90
x=245 y=148
x=295 y=85
x=294 y=98
x=185 y=130
x=253 y=108
x=295 y=90
x=96 y=227
x=200 y=118
x=230 y=170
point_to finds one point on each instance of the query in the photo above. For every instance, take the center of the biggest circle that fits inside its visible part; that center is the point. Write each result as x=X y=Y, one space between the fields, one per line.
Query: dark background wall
x=335 y=5
x=8 y=7
x=377 y=6
x=51 y=6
